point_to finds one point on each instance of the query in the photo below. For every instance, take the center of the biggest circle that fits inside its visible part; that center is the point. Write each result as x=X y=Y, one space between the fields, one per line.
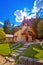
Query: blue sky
x=15 y=10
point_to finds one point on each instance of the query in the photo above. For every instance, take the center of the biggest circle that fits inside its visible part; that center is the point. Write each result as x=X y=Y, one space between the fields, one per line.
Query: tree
x=6 y=26
x=34 y=23
x=2 y=34
x=40 y=29
x=14 y=29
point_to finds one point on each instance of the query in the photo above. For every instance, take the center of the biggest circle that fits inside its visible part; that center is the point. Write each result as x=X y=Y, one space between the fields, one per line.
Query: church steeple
x=24 y=21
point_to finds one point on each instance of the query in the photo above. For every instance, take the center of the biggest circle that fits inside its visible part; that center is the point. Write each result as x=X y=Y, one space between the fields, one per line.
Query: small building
x=9 y=38
x=25 y=34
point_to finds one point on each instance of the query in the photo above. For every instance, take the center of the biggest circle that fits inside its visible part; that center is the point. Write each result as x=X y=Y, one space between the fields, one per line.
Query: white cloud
x=19 y=14
x=31 y=16
x=26 y=9
x=39 y=4
x=18 y=19
x=35 y=9
x=1 y=23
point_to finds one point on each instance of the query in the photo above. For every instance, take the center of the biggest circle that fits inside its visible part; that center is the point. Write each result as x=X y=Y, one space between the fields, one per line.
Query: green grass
x=7 y=48
x=4 y=49
x=34 y=51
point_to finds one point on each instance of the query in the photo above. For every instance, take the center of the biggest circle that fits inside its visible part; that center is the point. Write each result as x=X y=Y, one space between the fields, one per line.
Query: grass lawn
x=4 y=49
x=34 y=51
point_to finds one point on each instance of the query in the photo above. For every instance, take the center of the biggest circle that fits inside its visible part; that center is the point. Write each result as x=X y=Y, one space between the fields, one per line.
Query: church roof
x=29 y=29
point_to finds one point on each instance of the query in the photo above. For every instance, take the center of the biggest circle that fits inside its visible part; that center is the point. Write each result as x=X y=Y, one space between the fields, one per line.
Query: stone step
x=22 y=49
x=15 y=54
x=25 y=46
x=19 y=51
x=10 y=59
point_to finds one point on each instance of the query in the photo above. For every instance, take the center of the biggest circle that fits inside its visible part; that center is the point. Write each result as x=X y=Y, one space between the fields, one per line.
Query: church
x=25 y=33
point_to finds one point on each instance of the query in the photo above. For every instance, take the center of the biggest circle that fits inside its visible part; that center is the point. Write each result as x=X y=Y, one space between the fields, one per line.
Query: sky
x=15 y=10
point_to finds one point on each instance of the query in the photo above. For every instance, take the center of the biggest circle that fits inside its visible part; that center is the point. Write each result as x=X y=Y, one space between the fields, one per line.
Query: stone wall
x=30 y=61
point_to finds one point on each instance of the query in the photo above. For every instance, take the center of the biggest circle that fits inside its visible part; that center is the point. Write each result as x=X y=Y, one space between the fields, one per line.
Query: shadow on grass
x=38 y=46
x=29 y=52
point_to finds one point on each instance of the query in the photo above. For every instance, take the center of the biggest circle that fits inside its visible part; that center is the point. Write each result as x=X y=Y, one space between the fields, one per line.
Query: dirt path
x=4 y=62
